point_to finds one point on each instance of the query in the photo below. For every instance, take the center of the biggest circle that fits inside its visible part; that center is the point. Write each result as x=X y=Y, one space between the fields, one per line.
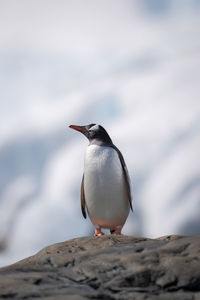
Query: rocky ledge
x=108 y=267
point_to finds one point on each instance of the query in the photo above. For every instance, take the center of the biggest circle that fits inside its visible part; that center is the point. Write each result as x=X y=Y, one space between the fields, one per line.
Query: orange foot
x=98 y=232
x=117 y=230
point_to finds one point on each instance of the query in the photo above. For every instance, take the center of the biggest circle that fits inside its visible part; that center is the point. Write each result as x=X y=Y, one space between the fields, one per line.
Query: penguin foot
x=117 y=230
x=98 y=232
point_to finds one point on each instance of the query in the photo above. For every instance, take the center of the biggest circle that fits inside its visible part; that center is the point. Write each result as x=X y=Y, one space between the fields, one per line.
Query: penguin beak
x=82 y=129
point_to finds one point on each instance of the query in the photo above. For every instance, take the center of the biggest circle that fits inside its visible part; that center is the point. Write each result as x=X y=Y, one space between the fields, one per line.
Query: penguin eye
x=91 y=132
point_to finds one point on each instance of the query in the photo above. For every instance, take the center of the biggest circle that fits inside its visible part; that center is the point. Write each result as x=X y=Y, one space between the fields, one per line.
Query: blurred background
x=131 y=66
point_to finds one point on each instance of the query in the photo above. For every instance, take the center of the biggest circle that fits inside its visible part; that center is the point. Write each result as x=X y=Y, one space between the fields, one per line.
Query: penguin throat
x=101 y=142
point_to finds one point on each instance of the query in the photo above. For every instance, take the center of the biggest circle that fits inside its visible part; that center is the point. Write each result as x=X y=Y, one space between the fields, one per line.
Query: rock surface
x=108 y=267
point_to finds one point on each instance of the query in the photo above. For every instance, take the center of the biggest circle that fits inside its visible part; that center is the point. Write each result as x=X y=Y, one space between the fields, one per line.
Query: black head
x=96 y=134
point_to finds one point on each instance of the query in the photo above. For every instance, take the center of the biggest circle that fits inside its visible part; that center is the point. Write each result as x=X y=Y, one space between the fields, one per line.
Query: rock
x=108 y=267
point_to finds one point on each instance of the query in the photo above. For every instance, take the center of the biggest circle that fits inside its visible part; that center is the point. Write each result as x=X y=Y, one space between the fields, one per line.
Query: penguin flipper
x=126 y=175
x=83 y=198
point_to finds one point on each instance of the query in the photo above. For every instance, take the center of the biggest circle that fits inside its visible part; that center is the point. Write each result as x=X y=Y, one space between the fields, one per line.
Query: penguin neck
x=102 y=142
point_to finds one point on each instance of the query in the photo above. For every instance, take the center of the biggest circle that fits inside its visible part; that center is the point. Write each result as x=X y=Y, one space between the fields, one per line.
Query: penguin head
x=96 y=134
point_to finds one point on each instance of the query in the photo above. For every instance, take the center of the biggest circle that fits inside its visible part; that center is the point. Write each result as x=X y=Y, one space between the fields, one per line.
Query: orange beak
x=78 y=128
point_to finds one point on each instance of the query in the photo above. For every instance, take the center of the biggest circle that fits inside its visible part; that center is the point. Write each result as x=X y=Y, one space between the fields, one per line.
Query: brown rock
x=108 y=267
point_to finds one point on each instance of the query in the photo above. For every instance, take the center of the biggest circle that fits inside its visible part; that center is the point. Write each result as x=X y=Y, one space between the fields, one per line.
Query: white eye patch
x=95 y=128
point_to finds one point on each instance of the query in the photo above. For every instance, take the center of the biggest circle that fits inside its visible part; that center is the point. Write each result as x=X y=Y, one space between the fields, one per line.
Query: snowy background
x=131 y=66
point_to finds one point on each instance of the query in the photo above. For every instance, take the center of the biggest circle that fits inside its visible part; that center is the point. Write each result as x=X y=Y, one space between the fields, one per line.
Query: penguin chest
x=104 y=186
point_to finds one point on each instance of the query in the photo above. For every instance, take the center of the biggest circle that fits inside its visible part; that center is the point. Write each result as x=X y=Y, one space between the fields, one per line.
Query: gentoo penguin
x=105 y=187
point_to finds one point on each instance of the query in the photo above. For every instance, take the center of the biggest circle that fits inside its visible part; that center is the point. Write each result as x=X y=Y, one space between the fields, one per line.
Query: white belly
x=104 y=186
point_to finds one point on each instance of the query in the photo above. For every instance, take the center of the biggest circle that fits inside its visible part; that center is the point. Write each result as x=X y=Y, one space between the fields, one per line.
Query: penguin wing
x=83 y=198
x=126 y=175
